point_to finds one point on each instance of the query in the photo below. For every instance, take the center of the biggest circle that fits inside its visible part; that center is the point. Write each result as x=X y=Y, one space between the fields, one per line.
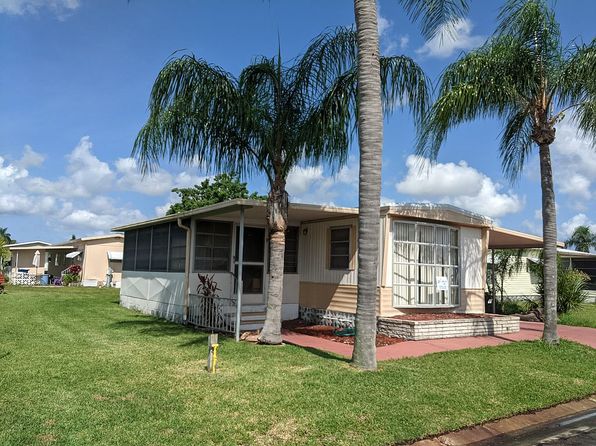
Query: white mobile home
x=433 y=259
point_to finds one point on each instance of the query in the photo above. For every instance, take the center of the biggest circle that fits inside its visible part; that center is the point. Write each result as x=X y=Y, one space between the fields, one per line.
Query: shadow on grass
x=4 y=354
x=151 y=327
x=322 y=353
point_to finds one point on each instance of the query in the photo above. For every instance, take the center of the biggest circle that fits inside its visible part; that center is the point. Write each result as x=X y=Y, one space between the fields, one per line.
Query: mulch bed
x=439 y=316
x=326 y=332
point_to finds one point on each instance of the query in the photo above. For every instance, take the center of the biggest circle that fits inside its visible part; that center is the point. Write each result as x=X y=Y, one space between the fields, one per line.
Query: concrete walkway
x=529 y=331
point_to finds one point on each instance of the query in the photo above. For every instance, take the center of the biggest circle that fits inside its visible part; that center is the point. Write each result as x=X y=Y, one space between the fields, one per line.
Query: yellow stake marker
x=214 y=358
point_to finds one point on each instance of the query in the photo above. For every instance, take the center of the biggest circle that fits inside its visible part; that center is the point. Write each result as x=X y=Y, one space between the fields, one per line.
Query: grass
x=76 y=369
x=583 y=317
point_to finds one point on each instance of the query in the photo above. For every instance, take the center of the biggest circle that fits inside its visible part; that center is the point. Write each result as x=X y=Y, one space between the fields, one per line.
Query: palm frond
x=496 y=80
x=516 y=143
x=435 y=16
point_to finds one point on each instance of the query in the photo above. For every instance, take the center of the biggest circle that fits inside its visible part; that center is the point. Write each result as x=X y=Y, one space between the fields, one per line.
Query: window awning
x=72 y=255
x=115 y=255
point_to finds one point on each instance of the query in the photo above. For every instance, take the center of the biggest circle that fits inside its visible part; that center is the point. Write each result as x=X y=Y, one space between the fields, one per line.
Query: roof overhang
x=38 y=247
x=253 y=209
x=72 y=255
x=501 y=238
x=438 y=212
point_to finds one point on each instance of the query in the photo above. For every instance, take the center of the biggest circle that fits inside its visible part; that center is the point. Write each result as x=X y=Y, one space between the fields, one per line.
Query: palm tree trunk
x=549 y=237
x=277 y=219
x=370 y=139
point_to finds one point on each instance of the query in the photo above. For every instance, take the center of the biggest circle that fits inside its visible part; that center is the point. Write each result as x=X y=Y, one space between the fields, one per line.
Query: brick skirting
x=447 y=328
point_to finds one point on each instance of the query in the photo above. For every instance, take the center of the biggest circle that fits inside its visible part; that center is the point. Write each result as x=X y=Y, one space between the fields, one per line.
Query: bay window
x=425 y=265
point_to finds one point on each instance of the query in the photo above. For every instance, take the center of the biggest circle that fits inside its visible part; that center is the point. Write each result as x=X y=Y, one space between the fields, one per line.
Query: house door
x=253 y=265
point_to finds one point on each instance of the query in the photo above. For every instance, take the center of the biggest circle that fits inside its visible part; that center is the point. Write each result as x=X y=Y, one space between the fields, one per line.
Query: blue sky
x=76 y=77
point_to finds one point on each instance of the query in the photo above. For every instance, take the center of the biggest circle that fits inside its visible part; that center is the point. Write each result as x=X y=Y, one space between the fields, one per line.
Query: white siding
x=312 y=253
x=160 y=294
x=471 y=258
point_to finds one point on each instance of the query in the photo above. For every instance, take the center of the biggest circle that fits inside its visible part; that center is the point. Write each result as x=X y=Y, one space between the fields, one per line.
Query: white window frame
x=454 y=290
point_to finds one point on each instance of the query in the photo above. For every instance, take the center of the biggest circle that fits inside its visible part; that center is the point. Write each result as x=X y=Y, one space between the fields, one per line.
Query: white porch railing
x=213 y=313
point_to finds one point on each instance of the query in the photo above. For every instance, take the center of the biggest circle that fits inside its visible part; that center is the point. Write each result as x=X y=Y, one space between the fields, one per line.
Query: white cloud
x=404 y=41
x=383 y=23
x=312 y=185
x=574 y=164
x=457 y=184
x=30 y=158
x=567 y=228
x=456 y=36
x=131 y=179
x=87 y=174
x=21 y=7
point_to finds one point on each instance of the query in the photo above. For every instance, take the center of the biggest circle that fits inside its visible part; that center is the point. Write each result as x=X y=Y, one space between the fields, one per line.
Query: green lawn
x=584 y=317
x=76 y=369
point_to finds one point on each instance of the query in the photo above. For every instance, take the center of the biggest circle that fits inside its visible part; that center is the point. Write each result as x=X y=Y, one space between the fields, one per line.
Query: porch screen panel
x=423 y=254
x=143 y=249
x=212 y=246
x=129 y=252
x=177 y=251
x=159 y=248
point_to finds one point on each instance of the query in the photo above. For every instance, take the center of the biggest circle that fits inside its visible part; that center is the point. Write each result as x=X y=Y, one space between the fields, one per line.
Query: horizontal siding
x=312 y=262
x=334 y=297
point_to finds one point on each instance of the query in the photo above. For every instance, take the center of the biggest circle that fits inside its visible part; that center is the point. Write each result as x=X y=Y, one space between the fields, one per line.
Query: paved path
x=567 y=424
x=529 y=331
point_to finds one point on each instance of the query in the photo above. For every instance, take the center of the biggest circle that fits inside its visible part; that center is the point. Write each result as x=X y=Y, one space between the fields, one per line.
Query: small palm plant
x=268 y=120
x=525 y=77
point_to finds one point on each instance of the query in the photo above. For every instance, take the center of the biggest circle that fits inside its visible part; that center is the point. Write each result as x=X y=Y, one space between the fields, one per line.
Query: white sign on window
x=442 y=283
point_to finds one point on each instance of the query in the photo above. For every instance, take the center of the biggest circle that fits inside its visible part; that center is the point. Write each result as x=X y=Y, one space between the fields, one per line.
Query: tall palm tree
x=268 y=120
x=582 y=239
x=524 y=77
x=433 y=16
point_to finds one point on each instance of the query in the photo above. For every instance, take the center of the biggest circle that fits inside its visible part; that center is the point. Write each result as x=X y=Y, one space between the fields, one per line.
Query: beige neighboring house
x=522 y=285
x=94 y=254
x=434 y=259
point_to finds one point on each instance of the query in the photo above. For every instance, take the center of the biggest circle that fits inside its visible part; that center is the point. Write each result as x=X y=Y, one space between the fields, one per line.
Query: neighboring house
x=94 y=254
x=523 y=284
x=433 y=258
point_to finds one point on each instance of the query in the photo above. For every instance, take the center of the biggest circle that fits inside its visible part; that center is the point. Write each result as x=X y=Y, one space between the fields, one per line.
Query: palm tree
x=4 y=234
x=582 y=239
x=524 y=77
x=433 y=15
x=268 y=120
x=507 y=263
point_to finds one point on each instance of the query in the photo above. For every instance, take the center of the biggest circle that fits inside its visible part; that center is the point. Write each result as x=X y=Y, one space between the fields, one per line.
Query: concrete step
x=251 y=327
x=253 y=317
x=254 y=308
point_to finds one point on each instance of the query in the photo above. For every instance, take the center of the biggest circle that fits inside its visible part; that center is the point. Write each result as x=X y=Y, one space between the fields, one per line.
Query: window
x=339 y=248
x=425 y=265
x=155 y=248
x=212 y=246
x=291 y=253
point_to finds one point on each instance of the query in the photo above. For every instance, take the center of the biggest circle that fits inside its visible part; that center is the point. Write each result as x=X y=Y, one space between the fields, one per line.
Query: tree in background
x=223 y=187
x=507 y=263
x=582 y=239
x=270 y=119
x=433 y=15
x=525 y=77
x=6 y=236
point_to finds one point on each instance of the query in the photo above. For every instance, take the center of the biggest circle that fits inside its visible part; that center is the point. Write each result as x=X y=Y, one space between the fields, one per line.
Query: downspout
x=186 y=269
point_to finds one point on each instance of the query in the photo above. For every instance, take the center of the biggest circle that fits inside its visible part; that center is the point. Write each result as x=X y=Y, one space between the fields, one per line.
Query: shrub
x=571 y=286
x=510 y=306
x=69 y=278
